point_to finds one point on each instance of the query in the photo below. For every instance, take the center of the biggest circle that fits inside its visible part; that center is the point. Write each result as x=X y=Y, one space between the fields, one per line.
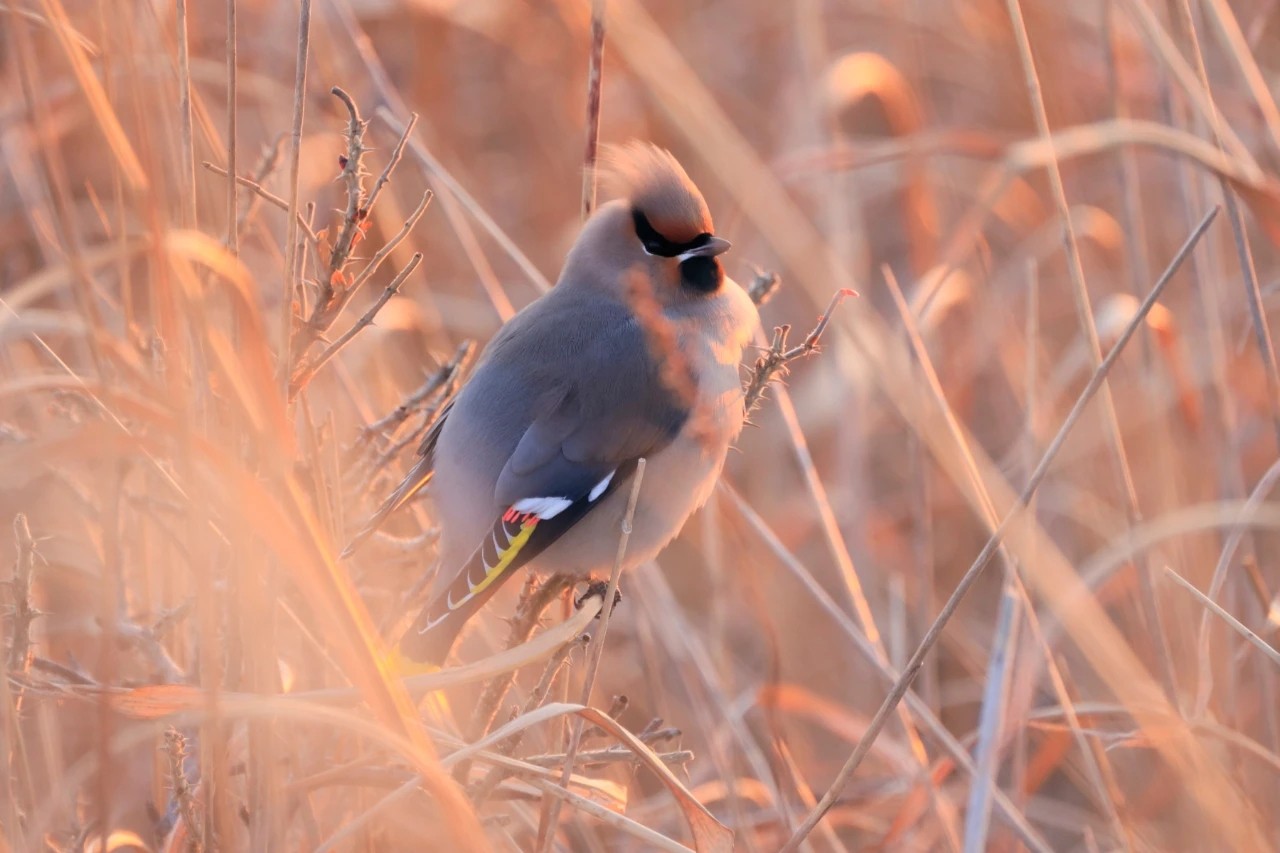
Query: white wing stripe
x=543 y=508
x=599 y=487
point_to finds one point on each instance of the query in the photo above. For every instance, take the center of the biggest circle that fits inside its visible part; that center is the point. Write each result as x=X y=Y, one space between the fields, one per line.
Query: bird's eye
x=655 y=244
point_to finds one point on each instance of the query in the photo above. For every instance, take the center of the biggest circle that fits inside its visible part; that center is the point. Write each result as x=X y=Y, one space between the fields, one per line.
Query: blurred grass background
x=185 y=515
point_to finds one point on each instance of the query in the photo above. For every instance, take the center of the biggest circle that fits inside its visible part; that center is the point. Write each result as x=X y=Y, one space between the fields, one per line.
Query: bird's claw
x=597 y=588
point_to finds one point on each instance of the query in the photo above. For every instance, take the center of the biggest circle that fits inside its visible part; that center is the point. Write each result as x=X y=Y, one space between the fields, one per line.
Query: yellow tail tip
x=401 y=666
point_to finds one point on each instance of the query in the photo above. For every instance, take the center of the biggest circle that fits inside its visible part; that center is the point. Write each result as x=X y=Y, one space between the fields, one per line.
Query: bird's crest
x=657 y=186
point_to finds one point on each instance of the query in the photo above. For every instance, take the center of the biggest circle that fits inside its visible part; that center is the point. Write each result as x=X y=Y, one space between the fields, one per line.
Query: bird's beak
x=711 y=248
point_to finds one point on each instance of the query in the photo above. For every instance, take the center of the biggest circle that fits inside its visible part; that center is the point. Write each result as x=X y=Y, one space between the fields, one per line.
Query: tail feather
x=518 y=536
x=438 y=625
x=429 y=642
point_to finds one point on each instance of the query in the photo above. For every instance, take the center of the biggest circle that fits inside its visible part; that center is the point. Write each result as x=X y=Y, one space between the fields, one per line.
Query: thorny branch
x=22 y=613
x=337 y=286
x=352 y=175
x=305 y=375
x=382 y=254
x=176 y=752
x=778 y=356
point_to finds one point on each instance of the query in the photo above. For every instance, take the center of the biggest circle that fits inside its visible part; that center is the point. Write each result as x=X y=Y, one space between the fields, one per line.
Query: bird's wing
x=610 y=408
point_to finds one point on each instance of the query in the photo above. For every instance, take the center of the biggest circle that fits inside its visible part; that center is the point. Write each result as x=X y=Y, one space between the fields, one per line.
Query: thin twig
x=551 y=813
x=396 y=154
x=267 y=164
x=1217 y=610
x=389 y=247
x=448 y=372
x=1261 y=491
x=437 y=170
x=333 y=301
x=1163 y=45
x=903 y=684
x=430 y=415
x=267 y=196
x=1244 y=252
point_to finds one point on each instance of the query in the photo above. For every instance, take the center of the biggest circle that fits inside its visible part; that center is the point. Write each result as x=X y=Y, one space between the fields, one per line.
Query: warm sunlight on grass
x=990 y=570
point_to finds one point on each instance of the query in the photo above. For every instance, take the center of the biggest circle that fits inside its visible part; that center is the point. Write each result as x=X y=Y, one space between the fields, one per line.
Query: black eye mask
x=655 y=244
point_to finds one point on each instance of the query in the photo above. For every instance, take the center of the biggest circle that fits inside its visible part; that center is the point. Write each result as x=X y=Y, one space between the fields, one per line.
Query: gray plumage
x=634 y=353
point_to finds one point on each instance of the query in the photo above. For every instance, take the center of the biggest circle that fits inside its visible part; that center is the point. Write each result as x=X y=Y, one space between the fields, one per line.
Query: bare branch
x=776 y=358
x=308 y=372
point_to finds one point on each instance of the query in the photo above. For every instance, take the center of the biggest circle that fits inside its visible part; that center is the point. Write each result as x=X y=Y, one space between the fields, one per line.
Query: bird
x=634 y=353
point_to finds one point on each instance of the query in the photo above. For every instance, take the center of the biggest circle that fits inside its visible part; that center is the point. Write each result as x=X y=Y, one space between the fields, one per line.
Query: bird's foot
x=597 y=588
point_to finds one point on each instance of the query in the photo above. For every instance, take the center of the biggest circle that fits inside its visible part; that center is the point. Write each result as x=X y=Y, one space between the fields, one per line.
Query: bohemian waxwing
x=634 y=353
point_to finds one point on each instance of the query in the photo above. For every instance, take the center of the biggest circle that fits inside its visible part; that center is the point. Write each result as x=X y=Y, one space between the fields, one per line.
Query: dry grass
x=994 y=571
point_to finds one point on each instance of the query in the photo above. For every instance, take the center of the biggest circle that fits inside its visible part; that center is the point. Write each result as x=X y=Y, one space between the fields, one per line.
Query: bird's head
x=657 y=225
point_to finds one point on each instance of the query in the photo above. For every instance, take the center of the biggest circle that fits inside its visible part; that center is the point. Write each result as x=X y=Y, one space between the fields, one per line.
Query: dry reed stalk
x=1235 y=624
x=1253 y=294
x=190 y=205
x=1085 y=316
x=106 y=287
x=595 y=74
x=233 y=114
x=291 y=275
x=996 y=540
x=926 y=717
